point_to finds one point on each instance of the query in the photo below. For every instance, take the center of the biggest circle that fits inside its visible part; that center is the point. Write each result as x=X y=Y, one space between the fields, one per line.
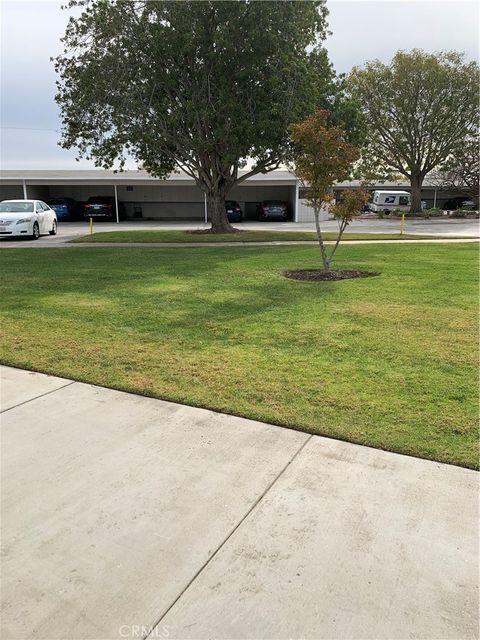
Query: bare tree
x=460 y=174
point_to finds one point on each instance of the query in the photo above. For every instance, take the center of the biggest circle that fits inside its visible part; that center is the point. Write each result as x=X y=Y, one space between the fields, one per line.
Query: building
x=176 y=198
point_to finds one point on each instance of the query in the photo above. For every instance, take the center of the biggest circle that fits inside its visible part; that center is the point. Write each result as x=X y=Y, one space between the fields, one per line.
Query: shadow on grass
x=154 y=285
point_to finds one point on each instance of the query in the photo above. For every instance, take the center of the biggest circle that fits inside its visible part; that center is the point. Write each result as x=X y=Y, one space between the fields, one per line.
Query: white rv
x=387 y=201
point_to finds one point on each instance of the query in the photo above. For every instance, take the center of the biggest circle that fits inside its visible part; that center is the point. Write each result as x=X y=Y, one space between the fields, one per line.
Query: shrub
x=433 y=213
x=459 y=213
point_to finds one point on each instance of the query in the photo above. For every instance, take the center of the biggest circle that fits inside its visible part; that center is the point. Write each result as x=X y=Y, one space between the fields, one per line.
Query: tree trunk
x=323 y=251
x=416 y=181
x=217 y=213
x=343 y=226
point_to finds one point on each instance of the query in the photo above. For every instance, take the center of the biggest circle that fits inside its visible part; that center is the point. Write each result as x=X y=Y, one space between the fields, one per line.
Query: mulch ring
x=320 y=274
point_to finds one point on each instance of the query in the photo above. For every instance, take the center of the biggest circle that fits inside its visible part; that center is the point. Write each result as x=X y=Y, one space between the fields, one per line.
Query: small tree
x=321 y=156
x=420 y=109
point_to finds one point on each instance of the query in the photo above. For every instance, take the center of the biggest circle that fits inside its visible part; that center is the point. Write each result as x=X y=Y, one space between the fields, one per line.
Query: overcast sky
x=362 y=30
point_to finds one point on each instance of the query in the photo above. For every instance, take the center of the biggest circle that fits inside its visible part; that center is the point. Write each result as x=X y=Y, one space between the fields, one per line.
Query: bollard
x=402 y=224
x=91 y=226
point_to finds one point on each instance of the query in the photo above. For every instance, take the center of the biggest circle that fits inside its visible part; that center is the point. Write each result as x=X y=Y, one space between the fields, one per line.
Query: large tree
x=420 y=110
x=204 y=87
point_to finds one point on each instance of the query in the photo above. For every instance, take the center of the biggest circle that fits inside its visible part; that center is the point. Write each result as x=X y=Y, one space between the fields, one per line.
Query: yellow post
x=91 y=226
x=402 y=224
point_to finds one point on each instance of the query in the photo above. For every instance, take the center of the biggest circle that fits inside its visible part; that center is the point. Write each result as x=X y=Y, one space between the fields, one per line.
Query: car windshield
x=54 y=202
x=16 y=207
x=100 y=199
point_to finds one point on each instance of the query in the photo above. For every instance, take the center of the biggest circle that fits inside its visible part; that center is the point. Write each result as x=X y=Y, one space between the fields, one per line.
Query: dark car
x=272 y=209
x=66 y=208
x=234 y=213
x=458 y=203
x=103 y=208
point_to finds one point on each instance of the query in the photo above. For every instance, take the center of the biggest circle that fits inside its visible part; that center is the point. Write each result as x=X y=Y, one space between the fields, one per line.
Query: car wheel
x=53 y=232
x=35 y=231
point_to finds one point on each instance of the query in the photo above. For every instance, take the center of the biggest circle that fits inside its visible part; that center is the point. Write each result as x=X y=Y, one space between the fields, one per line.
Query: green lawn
x=389 y=361
x=244 y=236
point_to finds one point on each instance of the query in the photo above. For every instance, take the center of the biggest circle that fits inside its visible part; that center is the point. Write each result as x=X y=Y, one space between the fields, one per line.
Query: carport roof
x=45 y=176
x=139 y=176
x=388 y=184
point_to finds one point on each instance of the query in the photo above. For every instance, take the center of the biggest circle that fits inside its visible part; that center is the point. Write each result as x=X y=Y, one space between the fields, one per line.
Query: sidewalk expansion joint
x=223 y=543
x=47 y=393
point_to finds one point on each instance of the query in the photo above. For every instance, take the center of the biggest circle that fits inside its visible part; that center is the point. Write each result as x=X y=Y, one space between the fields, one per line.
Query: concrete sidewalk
x=43 y=243
x=127 y=517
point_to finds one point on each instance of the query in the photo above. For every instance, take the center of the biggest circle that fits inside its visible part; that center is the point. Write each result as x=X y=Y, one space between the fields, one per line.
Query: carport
x=145 y=197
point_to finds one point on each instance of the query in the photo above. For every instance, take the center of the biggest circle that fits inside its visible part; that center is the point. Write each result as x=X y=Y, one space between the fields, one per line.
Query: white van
x=387 y=201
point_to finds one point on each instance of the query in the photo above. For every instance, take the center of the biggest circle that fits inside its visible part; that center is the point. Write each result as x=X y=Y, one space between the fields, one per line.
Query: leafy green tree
x=204 y=87
x=320 y=156
x=420 y=109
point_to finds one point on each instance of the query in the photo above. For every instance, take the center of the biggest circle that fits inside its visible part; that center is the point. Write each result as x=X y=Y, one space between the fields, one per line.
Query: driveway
x=436 y=227
x=127 y=517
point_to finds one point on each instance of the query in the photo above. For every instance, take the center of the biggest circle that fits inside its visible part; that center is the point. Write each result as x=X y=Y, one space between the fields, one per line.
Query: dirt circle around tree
x=319 y=275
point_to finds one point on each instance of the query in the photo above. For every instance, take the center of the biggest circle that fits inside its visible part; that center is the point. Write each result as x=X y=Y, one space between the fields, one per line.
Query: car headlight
x=23 y=220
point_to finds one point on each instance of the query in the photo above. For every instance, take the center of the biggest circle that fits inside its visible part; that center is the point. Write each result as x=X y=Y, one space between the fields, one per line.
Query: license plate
x=3 y=229
x=229 y=211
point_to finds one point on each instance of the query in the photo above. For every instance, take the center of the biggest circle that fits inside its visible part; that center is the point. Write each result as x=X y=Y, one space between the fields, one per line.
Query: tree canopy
x=420 y=111
x=203 y=87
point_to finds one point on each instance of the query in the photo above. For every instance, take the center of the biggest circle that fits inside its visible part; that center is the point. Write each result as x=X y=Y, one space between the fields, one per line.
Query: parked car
x=26 y=218
x=103 y=208
x=458 y=203
x=274 y=209
x=234 y=212
x=66 y=208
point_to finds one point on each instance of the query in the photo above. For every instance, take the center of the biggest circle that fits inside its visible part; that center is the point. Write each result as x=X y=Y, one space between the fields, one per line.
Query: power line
x=30 y=129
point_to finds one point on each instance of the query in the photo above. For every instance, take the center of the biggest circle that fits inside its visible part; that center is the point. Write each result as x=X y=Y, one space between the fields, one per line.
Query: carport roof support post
x=295 y=204
x=116 y=203
x=24 y=185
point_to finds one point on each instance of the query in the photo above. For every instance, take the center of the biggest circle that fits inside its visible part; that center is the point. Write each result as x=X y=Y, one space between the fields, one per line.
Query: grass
x=244 y=236
x=389 y=362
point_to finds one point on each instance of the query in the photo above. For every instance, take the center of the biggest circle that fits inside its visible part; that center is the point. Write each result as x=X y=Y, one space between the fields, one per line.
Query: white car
x=27 y=218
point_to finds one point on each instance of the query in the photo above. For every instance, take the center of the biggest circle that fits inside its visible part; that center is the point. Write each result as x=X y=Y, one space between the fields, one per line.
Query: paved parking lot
x=448 y=228
x=127 y=517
